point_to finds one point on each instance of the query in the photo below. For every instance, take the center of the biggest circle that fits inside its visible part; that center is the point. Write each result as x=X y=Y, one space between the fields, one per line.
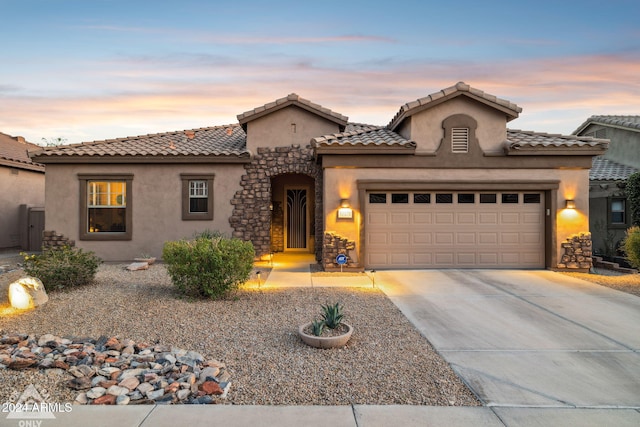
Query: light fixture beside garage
x=345 y=211
x=570 y=204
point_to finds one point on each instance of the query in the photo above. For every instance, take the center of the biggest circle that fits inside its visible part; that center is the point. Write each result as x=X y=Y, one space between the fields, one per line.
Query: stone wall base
x=577 y=253
x=51 y=239
x=333 y=246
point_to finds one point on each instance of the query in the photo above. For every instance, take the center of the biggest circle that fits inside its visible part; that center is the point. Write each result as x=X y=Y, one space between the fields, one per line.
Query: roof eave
x=355 y=149
x=554 y=151
x=245 y=118
x=106 y=159
x=22 y=165
x=405 y=113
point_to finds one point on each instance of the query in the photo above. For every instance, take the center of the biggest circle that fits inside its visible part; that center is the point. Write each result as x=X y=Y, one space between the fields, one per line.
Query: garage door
x=454 y=229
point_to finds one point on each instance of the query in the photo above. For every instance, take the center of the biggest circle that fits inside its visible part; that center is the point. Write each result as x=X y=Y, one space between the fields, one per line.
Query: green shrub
x=631 y=246
x=208 y=267
x=63 y=267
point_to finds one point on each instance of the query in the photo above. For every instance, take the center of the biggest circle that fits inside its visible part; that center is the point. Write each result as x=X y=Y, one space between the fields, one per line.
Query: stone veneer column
x=251 y=217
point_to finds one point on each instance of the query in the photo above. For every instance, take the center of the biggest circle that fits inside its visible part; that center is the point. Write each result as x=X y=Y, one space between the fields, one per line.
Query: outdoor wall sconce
x=570 y=204
x=345 y=211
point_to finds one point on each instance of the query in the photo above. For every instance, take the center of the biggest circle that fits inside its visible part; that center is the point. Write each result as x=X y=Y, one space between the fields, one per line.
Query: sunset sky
x=87 y=70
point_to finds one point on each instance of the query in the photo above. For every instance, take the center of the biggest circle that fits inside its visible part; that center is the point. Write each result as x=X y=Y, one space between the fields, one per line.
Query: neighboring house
x=444 y=184
x=21 y=195
x=610 y=216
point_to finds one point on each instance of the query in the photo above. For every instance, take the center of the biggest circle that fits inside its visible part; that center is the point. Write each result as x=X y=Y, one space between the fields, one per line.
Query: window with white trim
x=197 y=196
x=459 y=140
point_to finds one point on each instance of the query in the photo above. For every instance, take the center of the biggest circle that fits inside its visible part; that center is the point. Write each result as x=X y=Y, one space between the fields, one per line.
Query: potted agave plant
x=328 y=332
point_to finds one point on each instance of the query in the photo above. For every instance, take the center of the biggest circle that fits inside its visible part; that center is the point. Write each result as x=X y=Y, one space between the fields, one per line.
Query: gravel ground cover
x=629 y=283
x=255 y=333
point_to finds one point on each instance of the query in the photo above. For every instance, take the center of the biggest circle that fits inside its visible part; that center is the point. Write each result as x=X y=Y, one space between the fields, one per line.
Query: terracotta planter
x=325 y=342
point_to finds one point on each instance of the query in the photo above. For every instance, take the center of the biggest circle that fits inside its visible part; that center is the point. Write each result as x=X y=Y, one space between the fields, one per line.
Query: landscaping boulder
x=32 y=286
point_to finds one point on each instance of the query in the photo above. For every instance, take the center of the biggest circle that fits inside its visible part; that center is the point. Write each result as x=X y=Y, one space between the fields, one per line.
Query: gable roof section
x=364 y=138
x=212 y=144
x=14 y=152
x=607 y=170
x=631 y=123
x=292 y=99
x=510 y=109
x=521 y=142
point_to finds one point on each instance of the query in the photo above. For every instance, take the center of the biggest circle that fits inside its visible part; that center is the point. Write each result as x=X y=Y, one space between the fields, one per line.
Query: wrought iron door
x=297 y=218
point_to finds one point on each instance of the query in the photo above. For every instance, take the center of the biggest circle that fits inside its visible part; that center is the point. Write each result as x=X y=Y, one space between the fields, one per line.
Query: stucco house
x=21 y=195
x=444 y=184
x=610 y=216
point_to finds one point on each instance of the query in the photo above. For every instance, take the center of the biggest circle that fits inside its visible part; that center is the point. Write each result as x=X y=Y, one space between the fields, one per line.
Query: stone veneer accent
x=51 y=239
x=577 y=253
x=334 y=245
x=251 y=217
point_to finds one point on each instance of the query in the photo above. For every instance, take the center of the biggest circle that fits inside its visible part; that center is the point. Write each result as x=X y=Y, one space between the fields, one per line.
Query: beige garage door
x=454 y=229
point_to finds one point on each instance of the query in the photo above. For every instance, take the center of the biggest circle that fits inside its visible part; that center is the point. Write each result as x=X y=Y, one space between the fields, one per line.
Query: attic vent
x=601 y=133
x=460 y=140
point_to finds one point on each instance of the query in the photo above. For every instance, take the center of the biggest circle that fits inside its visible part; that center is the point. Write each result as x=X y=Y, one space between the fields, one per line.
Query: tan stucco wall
x=24 y=188
x=156 y=203
x=425 y=127
x=277 y=130
x=340 y=183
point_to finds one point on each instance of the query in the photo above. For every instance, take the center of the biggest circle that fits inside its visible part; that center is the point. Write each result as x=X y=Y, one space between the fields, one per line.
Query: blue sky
x=92 y=70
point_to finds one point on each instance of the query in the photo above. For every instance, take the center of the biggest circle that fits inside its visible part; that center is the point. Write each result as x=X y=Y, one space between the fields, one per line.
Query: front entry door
x=297 y=219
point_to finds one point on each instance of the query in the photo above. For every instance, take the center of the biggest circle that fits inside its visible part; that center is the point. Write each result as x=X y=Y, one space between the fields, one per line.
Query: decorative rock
x=82 y=399
x=144 y=388
x=154 y=394
x=96 y=392
x=130 y=383
x=171 y=375
x=211 y=387
x=108 y=371
x=135 y=266
x=117 y=390
x=183 y=394
x=107 y=399
x=83 y=383
x=123 y=399
x=33 y=288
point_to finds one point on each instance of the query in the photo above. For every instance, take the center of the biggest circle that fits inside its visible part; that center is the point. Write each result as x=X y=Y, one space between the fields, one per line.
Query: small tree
x=631 y=246
x=632 y=188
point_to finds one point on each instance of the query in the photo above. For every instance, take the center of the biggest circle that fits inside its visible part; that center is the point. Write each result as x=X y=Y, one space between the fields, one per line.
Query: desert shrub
x=208 y=267
x=631 y=246
x=632 y=188
x=62 y=267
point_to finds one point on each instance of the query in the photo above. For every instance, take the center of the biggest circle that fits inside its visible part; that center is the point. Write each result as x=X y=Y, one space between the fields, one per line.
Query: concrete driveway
x=527 y=338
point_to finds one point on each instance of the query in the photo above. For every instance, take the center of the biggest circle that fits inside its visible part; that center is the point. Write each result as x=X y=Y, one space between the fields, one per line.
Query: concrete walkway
x=539 y=349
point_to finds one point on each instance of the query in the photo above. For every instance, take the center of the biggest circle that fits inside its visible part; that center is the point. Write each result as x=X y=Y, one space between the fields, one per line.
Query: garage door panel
x=466 y=238
x=488 y=238
x=510 y=218
x=422 y=217
x=444 y=238
x=444 y=218
x=420 y=238
x=400 y=238
x=466 y=218
x=378 y=238
x=400 y=218
x=376 y=218
x=452 y=235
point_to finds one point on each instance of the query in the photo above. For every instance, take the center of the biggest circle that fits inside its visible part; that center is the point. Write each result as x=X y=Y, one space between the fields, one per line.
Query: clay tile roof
x=461 y=88
x=628 y=122
x=14 y=152
x=519 y=140
x=607 y=170
x=292 y=99
x=360 y=135
x=218 y=141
